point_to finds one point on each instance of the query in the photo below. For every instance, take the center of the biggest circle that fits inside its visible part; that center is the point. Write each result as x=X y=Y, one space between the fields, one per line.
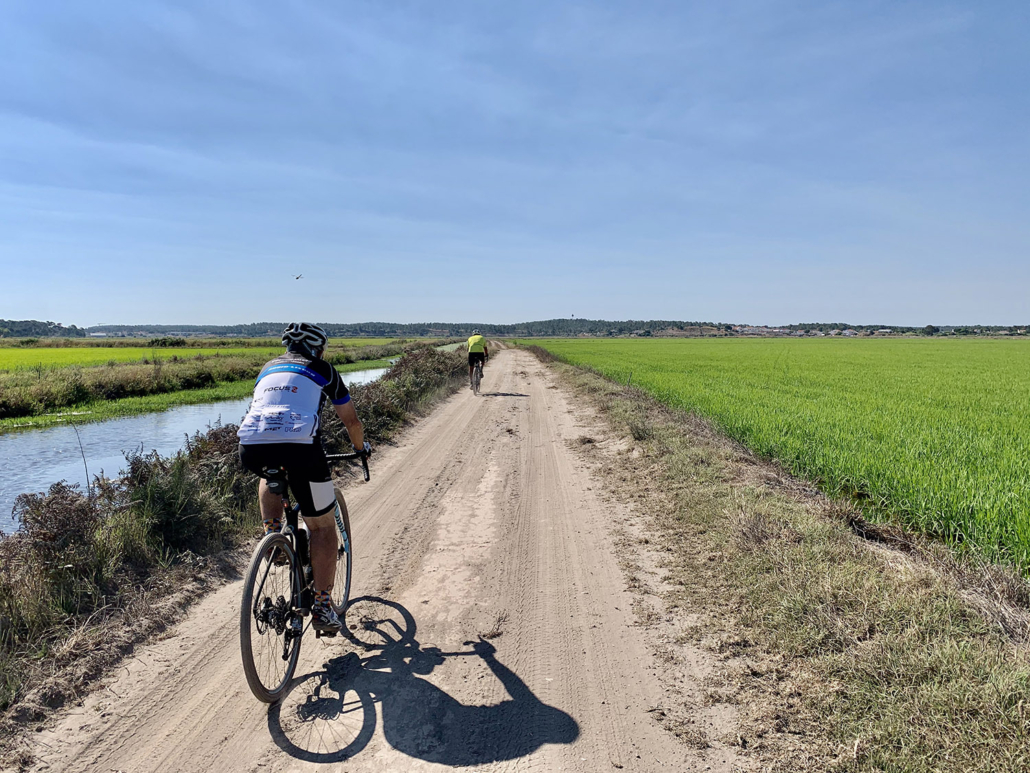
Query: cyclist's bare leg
x=270 y=502
x=324 y=547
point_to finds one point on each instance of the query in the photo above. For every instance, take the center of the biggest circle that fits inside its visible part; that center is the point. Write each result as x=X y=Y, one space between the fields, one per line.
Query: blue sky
x=763 y=162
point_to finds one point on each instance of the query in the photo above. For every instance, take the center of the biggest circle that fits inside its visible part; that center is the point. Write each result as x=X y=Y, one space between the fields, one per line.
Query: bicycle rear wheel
x=344 y=558
x=477 y=376
x=270 y=625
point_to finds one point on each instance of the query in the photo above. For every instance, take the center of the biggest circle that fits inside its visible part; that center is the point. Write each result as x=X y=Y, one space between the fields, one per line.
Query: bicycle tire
x=340 y=595
x=263 y=650
x=477 y=375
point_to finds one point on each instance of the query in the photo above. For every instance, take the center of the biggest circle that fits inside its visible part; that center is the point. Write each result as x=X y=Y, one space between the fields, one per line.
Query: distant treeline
x=31 y=328
x=826 y=327
x=549 y=327
x=559 y=328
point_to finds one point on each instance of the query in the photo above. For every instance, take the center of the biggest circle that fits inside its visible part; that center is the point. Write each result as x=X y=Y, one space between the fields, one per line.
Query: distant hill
x=31 y=328
x=563 y=328
x=560 y=328
x=549 y=327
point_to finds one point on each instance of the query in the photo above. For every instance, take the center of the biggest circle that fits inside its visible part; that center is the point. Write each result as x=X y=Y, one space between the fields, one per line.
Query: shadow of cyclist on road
x=419 y=719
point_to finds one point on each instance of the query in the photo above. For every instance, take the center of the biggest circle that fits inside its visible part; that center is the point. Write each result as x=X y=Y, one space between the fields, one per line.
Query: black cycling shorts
x=475 y=357
x=307 y=472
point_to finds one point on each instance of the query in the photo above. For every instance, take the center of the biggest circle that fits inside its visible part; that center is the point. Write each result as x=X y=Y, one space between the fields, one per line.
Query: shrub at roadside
x=80 y=560
x=410 y=387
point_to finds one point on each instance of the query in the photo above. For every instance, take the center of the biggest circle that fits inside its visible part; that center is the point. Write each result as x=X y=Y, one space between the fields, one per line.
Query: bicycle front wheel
x=344 y=557
x=270 y=624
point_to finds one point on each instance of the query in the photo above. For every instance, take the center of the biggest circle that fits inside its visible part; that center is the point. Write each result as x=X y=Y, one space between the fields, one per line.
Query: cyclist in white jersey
x=281 y=430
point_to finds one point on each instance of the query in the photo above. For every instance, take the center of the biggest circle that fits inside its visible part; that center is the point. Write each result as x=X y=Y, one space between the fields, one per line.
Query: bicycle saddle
x=276 y=477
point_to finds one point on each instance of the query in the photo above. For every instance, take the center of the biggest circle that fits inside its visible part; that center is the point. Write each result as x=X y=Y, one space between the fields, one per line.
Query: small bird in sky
x=299 y=276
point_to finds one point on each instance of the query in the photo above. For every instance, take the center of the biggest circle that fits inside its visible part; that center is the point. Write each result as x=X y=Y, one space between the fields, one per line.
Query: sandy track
x=484 y=521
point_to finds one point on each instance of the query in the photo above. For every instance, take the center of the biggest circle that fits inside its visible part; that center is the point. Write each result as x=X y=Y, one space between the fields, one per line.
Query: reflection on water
x=32 y=460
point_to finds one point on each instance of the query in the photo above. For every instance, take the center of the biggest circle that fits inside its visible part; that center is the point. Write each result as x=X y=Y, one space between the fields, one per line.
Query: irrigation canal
x=32 y=460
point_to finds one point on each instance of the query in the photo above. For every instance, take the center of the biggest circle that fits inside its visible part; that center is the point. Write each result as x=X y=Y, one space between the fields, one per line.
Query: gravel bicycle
x=278 y=590
x=477 y=376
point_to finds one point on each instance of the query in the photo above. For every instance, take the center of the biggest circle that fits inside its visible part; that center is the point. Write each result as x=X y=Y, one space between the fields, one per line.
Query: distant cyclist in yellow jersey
x=477 y=352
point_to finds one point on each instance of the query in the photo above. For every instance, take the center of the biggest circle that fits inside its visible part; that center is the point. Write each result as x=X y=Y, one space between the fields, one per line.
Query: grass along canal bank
x=51 y=393
x=101 y=409
x=33 y=460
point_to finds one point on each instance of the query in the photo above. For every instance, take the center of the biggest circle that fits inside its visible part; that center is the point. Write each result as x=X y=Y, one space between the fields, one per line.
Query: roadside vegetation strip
x=933 y=435
x=82 y=567
x=178 y=342
x=841 y=655
x=133 y=406
x=44 y=356
x=49 y=359
x=32 y=393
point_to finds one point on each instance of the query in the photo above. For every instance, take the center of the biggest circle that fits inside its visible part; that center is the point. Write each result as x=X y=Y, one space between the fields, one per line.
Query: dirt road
x=496 y=630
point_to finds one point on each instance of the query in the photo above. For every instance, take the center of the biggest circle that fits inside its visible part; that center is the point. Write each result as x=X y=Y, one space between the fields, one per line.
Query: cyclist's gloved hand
x=366 y=449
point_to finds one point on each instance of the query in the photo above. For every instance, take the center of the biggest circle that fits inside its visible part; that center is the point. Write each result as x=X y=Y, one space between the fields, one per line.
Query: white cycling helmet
x=305 y=336
x=475 y=332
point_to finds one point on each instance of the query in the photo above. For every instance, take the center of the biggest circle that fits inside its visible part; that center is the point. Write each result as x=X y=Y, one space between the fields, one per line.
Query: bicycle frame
x=279 y=609
x=477 y=376
x=300 y=603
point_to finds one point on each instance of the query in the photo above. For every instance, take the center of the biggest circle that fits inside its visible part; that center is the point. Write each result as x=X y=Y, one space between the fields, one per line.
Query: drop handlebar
x=349 y=457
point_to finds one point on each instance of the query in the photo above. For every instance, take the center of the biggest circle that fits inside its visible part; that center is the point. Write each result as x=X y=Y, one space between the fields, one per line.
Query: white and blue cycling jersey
x=288 y=398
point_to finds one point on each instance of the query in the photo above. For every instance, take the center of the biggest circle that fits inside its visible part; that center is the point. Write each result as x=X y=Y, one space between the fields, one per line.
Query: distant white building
x=850 y=333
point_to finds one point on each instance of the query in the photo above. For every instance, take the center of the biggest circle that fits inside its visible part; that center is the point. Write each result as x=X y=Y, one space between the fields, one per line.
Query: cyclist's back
x=281 y=431
x=477 y=344
x=288 y=398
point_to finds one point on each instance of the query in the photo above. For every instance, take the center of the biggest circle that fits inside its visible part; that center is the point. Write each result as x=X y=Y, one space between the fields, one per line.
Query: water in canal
x=32 y=460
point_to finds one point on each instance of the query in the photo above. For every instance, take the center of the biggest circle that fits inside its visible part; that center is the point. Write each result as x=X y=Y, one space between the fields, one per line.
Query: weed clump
x=408 y=389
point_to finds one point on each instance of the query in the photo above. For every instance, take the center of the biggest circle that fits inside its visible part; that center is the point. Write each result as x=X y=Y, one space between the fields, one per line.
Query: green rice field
x=934 y=434
x=51 y=357
x=26 y=358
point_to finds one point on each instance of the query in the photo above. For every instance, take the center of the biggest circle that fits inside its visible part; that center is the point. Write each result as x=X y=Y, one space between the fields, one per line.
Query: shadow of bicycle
x=330 y=715
x=502 y=394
